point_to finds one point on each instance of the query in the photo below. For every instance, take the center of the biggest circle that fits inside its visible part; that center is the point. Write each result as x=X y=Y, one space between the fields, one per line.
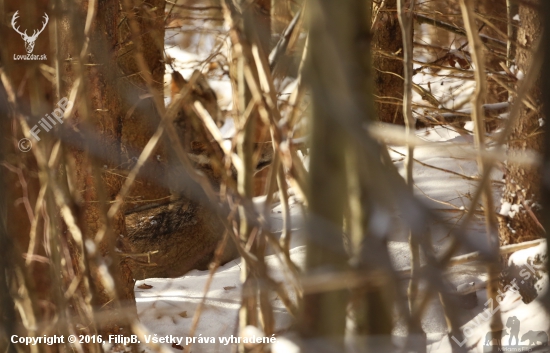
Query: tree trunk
x=115 y=122
x=522 y=183
x=20 y=171
x=7 y=261
x=388 y=73
x=140 y=118
x=264 y=25
x=338 y=67
x=545 y=175
x=495 y=12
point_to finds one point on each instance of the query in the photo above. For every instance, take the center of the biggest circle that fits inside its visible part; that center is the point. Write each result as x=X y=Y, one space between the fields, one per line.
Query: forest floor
x=166 y=306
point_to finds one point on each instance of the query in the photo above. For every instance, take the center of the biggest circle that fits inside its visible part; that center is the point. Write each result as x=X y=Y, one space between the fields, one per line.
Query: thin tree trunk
x=256 y=29
x=478 y=99
x=494 y=11
x=338 y=62
x=7 y=262
x=388 y=73
x=522 y=183
x=405 y=13
x=263 y=25
x=545 y=178
x=19 y=169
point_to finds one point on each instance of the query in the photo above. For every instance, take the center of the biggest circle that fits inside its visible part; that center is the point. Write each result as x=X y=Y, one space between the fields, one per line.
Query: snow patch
x=505 y=209
x=514 y=209
x=526 y=256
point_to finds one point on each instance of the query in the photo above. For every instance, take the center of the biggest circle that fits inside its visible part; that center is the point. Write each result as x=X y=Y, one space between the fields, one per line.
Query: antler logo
x=29 y=40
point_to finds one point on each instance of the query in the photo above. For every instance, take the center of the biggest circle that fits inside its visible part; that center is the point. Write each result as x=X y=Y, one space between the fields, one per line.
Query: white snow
x=520 y=75
x=505 y=209
x=526 y=256
x=514 y=210
x=169 y=306
x=443 y=182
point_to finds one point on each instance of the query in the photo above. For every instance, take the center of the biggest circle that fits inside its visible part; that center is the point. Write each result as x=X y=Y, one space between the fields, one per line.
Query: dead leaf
x=183 y=314
x=229 y=287
x=452 y=61
x=464 y=64
x=145 y=286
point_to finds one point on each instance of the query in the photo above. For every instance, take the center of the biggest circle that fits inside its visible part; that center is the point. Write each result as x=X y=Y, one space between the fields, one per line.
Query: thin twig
x=476 y=51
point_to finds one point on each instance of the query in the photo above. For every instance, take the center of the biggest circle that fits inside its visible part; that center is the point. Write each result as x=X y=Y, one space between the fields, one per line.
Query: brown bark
x=388 y=73
x=264 y=25
x=262 y=12
x=338 y=64
x=141 y=118
x=113 y=111
x=545 y=185
x=522 y=183
x=99 y=112
x=494 y=11
x=34 y=97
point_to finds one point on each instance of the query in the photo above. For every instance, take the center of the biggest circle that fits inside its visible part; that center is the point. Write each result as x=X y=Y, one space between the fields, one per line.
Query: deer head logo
x=29 y=40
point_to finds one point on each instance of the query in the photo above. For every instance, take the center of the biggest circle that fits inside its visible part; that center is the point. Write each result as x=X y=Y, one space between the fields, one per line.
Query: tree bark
x=115 y=122
x=19 y=169
x=388 y=73
x=522 y=183
x=545 y=168
x=494 y=12
x=338 y=74
x=7 y=305
x=140 y=118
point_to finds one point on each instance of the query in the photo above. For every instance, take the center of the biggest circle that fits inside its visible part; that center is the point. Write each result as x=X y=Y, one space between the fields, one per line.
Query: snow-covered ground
x=445 y=183
x=168 y=307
